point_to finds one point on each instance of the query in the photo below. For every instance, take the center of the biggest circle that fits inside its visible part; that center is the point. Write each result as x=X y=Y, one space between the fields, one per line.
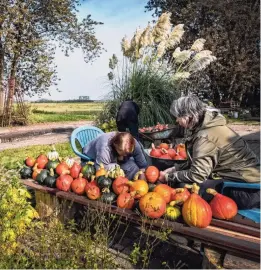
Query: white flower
x=198 y=45
x=145 y=39
x=202 y=54
x=161 y=49
x=181 y=76
x=201 y=63
x=181 y=56
x=176 y=35
x=162 y=28
x=125 y=44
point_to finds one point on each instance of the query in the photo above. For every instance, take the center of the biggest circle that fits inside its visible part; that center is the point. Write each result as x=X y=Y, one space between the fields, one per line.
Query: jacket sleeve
x=204 y=160
x=104 y=156
x=139 y=156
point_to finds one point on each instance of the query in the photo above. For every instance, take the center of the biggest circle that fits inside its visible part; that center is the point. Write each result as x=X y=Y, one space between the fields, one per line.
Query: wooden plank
x=237 y=227
x=208 y=235
x=232 y=261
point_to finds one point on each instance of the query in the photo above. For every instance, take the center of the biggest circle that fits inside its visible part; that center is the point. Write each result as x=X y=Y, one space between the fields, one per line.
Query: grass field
x=61 y=112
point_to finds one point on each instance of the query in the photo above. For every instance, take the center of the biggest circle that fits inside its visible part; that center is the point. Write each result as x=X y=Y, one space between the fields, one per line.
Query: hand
x=170 y=170
x=162 y=178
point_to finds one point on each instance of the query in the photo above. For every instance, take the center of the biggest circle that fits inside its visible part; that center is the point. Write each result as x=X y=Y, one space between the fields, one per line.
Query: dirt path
x=250 y=133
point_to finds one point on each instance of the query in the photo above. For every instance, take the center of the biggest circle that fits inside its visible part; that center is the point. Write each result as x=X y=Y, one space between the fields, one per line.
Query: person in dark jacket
x=216 y=151
x=127 y=118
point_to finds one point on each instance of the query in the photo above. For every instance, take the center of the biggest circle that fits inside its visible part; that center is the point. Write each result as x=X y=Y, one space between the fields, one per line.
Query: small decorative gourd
x=53 y=154
x=41 y=176
x=69 y=161
x=104 y=181
x=116 y=172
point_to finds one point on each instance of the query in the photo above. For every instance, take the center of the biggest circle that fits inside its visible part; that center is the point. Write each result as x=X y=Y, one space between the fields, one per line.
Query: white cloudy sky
x=120 y=17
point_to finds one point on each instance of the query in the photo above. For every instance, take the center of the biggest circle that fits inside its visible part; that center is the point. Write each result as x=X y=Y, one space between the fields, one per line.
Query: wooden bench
x=235 y=240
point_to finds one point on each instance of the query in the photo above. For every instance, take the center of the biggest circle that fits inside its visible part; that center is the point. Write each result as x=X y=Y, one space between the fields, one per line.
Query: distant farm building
x=84 y=97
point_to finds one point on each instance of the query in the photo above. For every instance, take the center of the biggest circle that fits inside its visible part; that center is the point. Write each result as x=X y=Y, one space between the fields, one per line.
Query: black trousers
x=245 y=198
x=132 y=127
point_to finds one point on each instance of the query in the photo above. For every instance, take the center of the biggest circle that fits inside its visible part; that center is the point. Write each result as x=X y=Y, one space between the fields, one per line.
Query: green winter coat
x=215 y=149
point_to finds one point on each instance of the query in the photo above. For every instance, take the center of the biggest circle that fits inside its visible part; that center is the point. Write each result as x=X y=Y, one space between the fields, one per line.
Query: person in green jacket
x=215 y=152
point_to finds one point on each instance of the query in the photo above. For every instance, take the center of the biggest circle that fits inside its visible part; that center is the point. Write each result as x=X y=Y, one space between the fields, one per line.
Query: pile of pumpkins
x=166 y=151
x=154 y=199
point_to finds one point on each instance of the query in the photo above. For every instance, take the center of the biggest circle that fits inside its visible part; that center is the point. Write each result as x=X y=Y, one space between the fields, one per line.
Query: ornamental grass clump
x=146 y=74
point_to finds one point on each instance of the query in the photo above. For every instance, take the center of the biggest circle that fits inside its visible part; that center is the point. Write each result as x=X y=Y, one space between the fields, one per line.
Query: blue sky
x=120 y=17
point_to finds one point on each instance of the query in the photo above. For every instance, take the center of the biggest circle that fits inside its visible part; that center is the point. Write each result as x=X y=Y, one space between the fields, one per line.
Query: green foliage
x=16 y=213
x=9 y=160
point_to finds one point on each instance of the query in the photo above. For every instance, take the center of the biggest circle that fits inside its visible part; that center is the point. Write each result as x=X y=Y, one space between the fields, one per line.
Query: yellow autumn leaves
x=152 y=43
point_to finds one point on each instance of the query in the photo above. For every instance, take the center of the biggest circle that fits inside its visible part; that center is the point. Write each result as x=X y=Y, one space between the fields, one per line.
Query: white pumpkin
x=53 y=155
x=69 y=161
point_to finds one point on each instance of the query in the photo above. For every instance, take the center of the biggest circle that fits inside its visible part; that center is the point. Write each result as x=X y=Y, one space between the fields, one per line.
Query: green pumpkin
x=41 y=176
x=52 y=164
x=108 y=196
x=104 y=181
x=50 y=180
x=88 y=170
x=26 y=172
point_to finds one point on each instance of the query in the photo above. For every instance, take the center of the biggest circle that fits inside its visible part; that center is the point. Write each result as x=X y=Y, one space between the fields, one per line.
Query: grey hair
x=189 y=106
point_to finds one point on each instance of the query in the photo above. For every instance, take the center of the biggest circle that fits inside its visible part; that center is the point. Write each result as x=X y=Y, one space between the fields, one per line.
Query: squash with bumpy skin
x=53 y=154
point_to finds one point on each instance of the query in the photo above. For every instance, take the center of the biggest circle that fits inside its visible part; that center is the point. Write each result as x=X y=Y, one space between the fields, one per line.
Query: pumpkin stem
x=133 y=193
x=164 y=151
x=90 y=163
x=35 y=166
x=101 y=166
x=173 y=203
x=136 y=176
x=92 y=178
x=130 y=183
x=65 y=172
x=195 y=188
x=80 y=175
x=179 y=190
x=51 y=172
x=106 y=190
x=211 y=191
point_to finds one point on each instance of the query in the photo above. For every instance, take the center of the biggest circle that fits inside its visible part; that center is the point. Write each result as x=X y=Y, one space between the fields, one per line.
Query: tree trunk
x=2 y=93
x=11 y=92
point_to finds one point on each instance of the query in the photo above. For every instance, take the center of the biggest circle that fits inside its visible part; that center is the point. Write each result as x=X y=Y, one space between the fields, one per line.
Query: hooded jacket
x=215 y=149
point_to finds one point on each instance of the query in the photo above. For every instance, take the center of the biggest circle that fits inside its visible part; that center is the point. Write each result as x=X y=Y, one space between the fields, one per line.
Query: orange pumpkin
x=91 y=183
x=101 y=171
x=152 y=174
x=172 y=153
x=222 y=206
x=93 y=192
x=126 y=200
x=78 y=185
x=164 y=146
x=36 y=171
x=42 y=160
x=30 y=161
x=140 y=187
x=120 y=185
x=165 y=191
x=155 y=152
x=62 y=168
x=196 y=211
x=152 y=205
x=64 y=182
x=180 y=194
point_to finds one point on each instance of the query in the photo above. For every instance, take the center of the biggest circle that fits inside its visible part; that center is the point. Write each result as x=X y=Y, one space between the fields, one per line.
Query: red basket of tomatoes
x=164 y=156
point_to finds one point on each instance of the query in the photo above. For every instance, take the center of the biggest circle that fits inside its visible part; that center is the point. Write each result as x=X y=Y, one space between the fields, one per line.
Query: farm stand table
x=235 y=240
